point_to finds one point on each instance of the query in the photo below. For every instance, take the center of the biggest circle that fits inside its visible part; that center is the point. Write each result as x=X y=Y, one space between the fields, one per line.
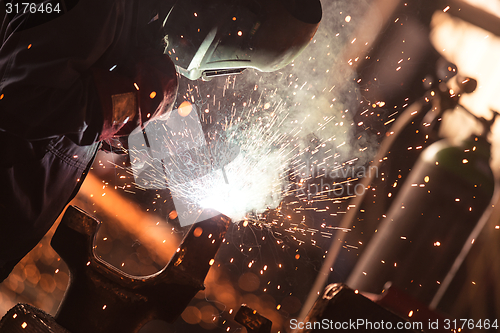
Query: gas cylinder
x=429 y=221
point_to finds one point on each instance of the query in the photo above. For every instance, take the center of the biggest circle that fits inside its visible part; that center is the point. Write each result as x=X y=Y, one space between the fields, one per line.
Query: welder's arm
x=46 y=93
x=46 y=88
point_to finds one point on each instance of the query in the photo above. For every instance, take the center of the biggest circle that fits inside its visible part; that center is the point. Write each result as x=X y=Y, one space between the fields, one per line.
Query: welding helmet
x=220 y=37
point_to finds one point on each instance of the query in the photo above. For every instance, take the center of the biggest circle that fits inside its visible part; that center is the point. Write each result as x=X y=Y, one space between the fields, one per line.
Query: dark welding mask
x=220 y=37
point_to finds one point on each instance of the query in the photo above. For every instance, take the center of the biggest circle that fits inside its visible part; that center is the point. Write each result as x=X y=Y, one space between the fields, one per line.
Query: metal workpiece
x=101 y=298
x=342 y=309
x=25 y=318
x=252 y=320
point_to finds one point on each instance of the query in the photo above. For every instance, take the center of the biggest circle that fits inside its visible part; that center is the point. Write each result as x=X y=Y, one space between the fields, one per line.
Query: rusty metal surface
x=253 y=321
x=25 y=318
x=101 y=298
x=340 y=304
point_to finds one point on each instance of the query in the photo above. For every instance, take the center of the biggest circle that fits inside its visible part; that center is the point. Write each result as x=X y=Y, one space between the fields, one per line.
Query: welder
x=76 y=73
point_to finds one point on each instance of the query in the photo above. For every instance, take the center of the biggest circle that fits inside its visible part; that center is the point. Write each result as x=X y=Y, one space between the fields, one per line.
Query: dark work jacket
x=50 y=114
